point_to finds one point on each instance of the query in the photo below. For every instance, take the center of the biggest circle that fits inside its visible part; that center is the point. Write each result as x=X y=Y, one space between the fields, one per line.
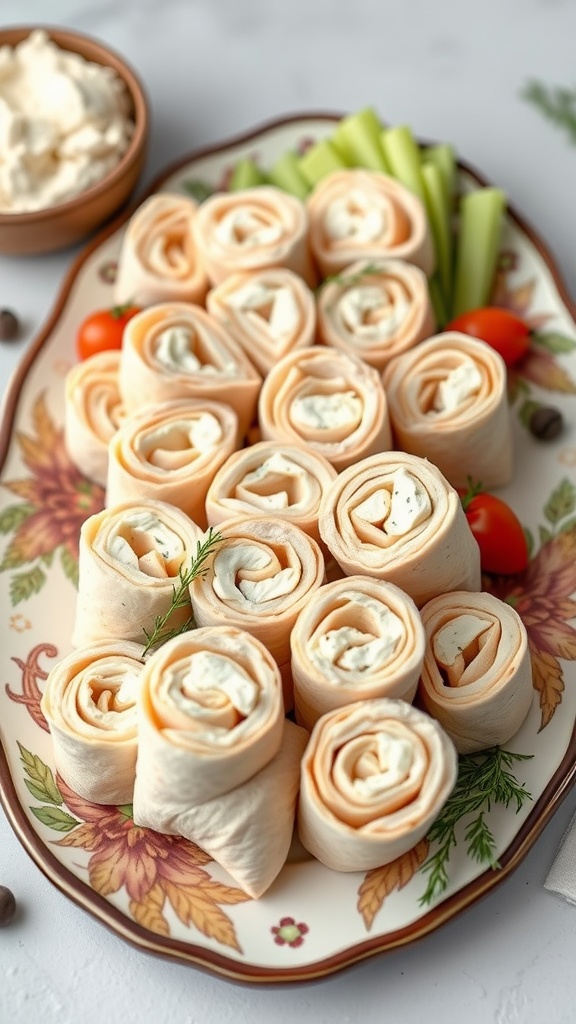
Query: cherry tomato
x=502 y=330
x=498 y=531
x=103 y=330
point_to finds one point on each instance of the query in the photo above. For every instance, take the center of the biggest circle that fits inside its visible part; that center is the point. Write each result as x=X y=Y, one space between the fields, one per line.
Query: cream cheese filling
x=356 y=216
x=247 y=229
x=342 y=409
x=232 y=561
x=460 y=384
x=368 y=314
x=269 y=307
x=277 y=483
x=174 y=350
x=141 y=541
x=400 y=510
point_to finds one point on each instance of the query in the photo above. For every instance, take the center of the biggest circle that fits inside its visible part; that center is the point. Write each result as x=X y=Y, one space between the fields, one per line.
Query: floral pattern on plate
x=163 y=893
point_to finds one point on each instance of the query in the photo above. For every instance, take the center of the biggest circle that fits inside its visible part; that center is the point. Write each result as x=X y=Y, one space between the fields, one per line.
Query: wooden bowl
x=58 y=226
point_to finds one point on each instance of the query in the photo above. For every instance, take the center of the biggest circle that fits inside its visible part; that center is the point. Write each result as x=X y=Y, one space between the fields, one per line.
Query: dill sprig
x=484 y=779
x=180 y=596
x=344 y=277
x=557 y=104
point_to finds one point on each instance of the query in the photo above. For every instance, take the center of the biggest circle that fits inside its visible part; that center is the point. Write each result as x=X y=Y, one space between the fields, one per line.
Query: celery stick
x=318 y=161
x=285 y=174
x=246 y=175
x=440 y=222
x=442 y=156
x=403 y=155
x=357 y=138
x=438 y=301
x=477 y=244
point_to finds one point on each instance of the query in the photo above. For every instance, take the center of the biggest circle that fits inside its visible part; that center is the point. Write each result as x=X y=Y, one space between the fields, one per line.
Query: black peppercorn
x=9 y=325
x=546 y=423
x=7 y=905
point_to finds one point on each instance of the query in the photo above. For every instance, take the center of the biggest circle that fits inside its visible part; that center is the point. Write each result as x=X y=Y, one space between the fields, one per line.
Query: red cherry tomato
x=498 y=531
x=499 y=328
x=103 y=329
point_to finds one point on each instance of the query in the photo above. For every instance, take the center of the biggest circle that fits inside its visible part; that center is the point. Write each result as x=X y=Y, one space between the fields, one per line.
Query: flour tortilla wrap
x=129 y=557
x=359 y=214
x=248 y=831
x=286 y=480
x=375 y=775
x=268 y=312
x=158 y=261
x=395 y=517
x=176 y=350
x=448 y=403
x=210 y=717
x=93 y=412
x=332 y=402
x=171 y=452
x=359 y=639
x=375 y=310
x=251 y=229
x=89 y=702
x=217 y=763
x=477 y=674
x=263 y=573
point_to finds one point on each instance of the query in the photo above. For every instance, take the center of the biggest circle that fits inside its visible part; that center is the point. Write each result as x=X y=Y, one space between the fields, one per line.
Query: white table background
x=453 y=71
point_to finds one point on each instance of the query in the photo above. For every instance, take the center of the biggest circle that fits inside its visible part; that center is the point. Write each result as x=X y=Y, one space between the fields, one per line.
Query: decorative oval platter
x=162 y=893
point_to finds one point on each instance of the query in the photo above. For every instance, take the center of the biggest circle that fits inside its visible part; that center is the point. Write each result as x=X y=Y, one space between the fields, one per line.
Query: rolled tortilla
x=210 y=717
x=375 y=310
x=286 y=480
x=158 y=261
x=359 y=639
x=216 y=762
x=251 y=229
x=93 y=412
x=176 y=350
x=268 y=312
x=448 y=403
x=395 y=517
x=263 y=573
x=477 y=674
x=359 y=214
x=129 y=558
x=170 y=452
x=375 y=775
x=89 y=702
x=330 y=401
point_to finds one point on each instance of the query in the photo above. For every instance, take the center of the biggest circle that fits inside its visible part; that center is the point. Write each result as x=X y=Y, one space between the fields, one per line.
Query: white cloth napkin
x=561 y=878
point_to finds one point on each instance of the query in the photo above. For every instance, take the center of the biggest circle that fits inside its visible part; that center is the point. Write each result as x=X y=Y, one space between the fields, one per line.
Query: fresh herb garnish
x=198 y=189
x=343 y=277
x=484 y=779
x=180 y=597
x=557 y=104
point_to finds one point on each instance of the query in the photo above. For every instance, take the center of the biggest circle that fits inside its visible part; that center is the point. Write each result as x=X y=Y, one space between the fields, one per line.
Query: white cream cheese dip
x=65 y=122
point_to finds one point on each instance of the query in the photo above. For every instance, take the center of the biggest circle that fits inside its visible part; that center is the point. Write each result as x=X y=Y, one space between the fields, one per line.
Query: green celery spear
x=439 y=304
x=477 y=246
x=320 y=160
x=405 y=160
x=358 y=140
x=403 y=156
x=286 y=174
x=443 y=157
x=440 y=223
x=246 y=174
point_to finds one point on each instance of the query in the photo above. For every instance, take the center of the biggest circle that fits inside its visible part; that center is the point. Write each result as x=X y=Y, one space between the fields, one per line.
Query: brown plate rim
x=81 y=893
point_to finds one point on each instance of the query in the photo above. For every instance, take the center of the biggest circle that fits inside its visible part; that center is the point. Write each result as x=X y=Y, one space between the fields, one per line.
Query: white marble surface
x=453 y=71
